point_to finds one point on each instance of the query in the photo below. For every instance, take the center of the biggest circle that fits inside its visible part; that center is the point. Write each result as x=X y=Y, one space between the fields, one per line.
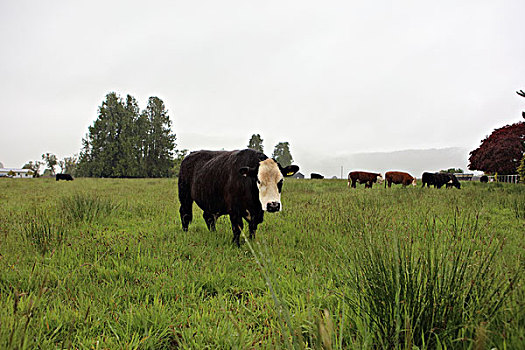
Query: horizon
x=449 y=157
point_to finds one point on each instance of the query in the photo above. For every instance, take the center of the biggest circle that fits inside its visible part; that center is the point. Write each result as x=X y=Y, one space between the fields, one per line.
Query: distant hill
x=414 y=162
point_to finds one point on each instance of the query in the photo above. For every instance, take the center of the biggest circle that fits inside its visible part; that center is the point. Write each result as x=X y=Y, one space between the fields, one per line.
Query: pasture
x=104 y=263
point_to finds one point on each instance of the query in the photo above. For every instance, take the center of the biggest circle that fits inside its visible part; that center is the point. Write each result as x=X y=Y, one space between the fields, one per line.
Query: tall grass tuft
x=43 y=229
x=416 y=295
x=82 y=207
x=282 y=311
x=519 y=208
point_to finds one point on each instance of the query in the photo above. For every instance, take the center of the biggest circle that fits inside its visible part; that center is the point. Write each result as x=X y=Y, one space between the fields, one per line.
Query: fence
x=506 y=178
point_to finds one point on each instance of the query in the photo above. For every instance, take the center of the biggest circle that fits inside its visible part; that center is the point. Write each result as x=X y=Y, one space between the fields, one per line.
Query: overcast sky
x=329 y=77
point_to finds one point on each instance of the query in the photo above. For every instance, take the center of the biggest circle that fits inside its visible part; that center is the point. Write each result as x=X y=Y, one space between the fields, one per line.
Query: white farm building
x=16 y=173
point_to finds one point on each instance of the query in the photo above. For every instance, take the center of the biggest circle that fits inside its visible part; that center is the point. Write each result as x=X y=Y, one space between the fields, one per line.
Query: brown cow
x=363 y=177
x=399 y=177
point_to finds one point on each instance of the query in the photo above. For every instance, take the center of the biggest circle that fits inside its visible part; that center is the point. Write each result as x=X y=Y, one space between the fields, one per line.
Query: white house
x=18 y=173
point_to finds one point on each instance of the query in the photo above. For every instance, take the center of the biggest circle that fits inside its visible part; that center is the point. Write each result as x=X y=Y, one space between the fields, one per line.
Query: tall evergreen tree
x=256 y=143
x=123 y=142
x=129 y=141
x=102 y=153
x=282 y=154
x=160 y=141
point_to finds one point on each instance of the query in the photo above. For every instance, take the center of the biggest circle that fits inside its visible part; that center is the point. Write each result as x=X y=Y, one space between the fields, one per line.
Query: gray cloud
x=329 y=78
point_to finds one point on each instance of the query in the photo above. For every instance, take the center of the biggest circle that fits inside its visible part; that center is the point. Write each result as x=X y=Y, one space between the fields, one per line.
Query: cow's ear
x=247 y=171
x=289 y=170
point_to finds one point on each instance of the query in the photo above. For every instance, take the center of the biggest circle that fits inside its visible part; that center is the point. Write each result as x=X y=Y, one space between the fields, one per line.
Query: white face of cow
x=270 y=183
x=380 y=179
x=414 y=182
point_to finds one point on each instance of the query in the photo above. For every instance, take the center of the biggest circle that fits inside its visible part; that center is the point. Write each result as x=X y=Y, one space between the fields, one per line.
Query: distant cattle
x=66 y=177
x=484 y=179
x=242 y=184
x=427 y=179
x=399 y=177
x=453 y=181
x=440 y=179
x=363 y=177
x=316 y=176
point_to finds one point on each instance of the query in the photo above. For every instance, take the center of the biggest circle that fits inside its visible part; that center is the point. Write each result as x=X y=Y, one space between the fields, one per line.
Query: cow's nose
x=273 y=207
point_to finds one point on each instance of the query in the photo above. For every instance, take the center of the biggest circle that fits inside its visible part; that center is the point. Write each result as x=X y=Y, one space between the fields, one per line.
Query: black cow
x=453 y=181
x=316 y=176
x=66 y=177
x=241 y=184
x=440 y=179
x=484 y=179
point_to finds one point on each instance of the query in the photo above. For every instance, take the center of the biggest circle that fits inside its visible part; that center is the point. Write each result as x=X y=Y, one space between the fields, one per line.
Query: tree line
x=127 y=142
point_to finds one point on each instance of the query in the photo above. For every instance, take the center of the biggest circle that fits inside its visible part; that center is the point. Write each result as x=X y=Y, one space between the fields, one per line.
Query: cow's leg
x=210 y=220
x=186 y=216
x=237 y=227
x=253 y=228
x=253 y=222
x=186 y=205
x=353 y=183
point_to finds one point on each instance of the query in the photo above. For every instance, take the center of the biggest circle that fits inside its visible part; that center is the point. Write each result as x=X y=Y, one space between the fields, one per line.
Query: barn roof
x=16 y=170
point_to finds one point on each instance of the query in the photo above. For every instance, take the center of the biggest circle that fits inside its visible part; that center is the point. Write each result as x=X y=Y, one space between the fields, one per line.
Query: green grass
x=104 y=263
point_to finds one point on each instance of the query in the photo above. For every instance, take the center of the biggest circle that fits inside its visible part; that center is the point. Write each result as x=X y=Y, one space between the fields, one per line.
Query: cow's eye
x=280 y=185
x=258 y=181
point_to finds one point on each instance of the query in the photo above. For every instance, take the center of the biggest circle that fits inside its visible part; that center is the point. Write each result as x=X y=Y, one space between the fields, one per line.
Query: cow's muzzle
x=272 y=207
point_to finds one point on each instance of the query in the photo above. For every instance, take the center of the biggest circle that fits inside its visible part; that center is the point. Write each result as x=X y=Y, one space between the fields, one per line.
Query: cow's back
x=193 y=162
x=427 y=178
x=399 y=177
x=214 y=180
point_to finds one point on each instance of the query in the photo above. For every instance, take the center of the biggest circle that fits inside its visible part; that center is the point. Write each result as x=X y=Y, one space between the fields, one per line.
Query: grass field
x=104 y=263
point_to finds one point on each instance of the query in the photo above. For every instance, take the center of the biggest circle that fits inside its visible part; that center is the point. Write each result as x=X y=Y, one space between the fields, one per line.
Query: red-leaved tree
x=500 y=152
